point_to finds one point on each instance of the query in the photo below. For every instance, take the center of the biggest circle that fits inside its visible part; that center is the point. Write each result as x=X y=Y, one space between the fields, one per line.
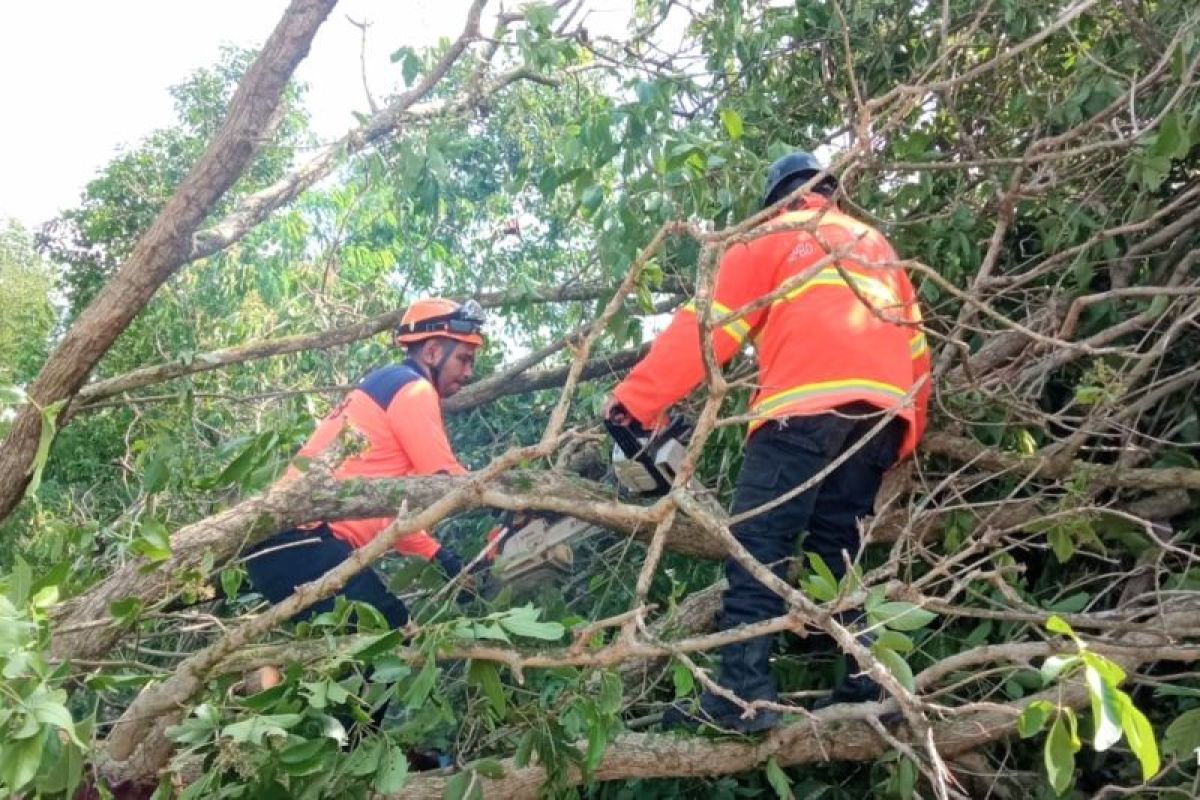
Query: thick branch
x=266 y=348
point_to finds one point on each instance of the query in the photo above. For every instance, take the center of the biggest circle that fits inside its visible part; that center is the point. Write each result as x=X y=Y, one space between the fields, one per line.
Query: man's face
x=454 y=372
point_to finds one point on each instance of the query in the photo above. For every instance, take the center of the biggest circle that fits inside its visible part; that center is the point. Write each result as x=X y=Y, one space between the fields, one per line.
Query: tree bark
x=167 y=244
x=266 y=348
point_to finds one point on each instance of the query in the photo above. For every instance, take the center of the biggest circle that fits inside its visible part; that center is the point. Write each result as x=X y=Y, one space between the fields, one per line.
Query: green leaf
x=896 y=665
x=489 y=768
x=44 y=597
x=231 y=581
x=597 y=743
x=463 y=786
x=901 y=616
x=1183 y=735
x=20 y=582
x=523 y=622
x=378 y=645
x=591 y=198
x=1056 y=624
x=484 y=676
x=389 y=669
x=48 y=710
x=153 y=542
x=1054 y=666
x=732 y=122
x=779 y=780
x=393 y=771
x=422 y=685
x=904 y=781
x=154 y=477
x=320 y=694
x=1140 y=736
x=45 y=439
x=1061 y=542
x=19 y=762
x=819 y=566
x=1106 y=712
x=301 y=752
x=612 y=694
x=525 y=749
x=540 y=15
x=1059 y=754
x=366 y=758
x=1072 y=604
x=894 y=640
x=410 y=65
x=1110 y=671
x=1033 y=718
x=1172 y=141
x=255 y=729
x=126 y=609
x=245 y=462
x=684 y=680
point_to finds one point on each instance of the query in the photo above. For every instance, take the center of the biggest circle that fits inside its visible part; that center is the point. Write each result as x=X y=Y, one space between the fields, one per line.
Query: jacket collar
x=807 y=202
x=420 y=369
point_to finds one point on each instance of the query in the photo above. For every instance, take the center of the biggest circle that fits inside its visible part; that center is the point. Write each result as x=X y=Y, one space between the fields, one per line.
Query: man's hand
x=615 y=413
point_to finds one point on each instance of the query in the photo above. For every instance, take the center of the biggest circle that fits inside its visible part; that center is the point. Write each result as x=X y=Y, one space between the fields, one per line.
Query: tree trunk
x=166 y=246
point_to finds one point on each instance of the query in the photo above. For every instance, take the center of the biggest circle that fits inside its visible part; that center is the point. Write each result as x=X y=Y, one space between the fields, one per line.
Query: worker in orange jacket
x=839 y=349
x=397 y=410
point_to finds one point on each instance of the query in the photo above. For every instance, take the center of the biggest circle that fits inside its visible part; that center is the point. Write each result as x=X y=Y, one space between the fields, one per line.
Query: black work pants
x=784 y=454
x=294 y=557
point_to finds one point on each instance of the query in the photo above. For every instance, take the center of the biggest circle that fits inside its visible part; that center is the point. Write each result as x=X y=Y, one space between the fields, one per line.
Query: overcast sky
x=81 y=78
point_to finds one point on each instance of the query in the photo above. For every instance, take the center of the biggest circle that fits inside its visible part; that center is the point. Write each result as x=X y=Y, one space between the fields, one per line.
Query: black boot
x=856 y=687
x=746 y=672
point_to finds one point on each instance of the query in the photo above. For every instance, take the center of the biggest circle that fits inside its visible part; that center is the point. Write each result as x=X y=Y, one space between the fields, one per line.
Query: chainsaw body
x=540 y=550
x=644 y=463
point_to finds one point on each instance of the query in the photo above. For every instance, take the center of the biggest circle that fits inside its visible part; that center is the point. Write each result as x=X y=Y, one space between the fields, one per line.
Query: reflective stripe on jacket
x=845 y=328
x=398 y=413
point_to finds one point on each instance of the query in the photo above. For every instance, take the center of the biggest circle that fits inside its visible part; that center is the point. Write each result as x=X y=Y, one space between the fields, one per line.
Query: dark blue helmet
x=785 y=171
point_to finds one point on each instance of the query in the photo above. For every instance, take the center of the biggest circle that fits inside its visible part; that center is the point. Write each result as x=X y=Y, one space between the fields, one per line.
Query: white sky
x=81 y=78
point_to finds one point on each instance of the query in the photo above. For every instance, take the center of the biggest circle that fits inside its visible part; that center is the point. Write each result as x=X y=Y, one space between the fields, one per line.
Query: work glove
x=619 y=415
x=615 y=413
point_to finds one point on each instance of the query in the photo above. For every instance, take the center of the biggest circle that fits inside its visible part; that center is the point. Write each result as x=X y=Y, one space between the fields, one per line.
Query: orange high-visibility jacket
x=399 y=413
x=846 y=328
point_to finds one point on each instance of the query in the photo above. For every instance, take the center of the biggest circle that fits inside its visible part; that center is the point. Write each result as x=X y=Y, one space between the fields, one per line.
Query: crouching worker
x=397 y=410
x=842 y=370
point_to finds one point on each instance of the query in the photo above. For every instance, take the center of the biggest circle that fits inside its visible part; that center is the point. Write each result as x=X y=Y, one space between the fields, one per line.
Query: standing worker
x=397 y=410
x=836 y=354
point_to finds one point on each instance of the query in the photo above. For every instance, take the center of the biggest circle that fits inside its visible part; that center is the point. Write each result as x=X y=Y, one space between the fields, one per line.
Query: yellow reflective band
x=917 y=346
x=875 y=290
x=827 y=217
x=768 y=404
x=738 y=329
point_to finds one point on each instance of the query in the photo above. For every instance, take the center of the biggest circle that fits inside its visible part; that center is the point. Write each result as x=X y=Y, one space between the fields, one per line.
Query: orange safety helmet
x=436 y=316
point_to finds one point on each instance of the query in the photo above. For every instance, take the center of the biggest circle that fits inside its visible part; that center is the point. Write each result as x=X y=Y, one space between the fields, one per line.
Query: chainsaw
x=645 y=462
x=539 y=549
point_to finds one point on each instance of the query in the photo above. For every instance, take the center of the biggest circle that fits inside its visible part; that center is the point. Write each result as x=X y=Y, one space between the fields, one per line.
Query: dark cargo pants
x=294 y=557
x=782 y=455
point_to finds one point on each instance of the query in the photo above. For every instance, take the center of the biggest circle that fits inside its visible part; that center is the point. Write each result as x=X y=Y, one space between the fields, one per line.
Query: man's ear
x=431 y=352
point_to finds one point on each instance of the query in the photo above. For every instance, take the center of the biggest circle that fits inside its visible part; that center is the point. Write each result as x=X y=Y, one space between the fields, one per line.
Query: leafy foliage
x=1051 y=195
